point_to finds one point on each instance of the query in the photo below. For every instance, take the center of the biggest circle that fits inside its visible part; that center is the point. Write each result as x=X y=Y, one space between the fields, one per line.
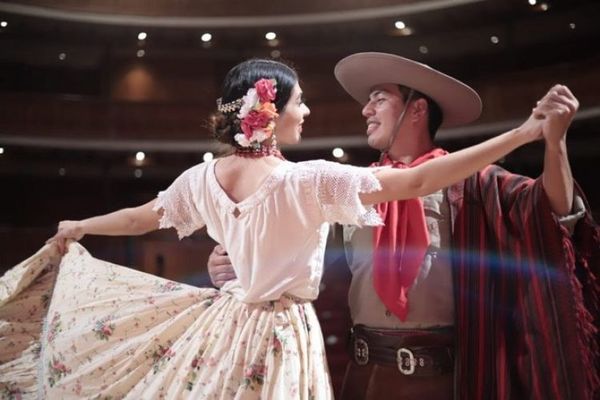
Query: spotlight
x=206 y=37
x=3 y=24
x=271 y=36
x=140 y=53
x=338 y=152
x=423 y=49
x=142 y=36
x=62 y=56
x=208 y=156
x=1 y=150
x=532 y=2
x=140 y=156
x=399 y=25
x=138 y=173
x=275 y=54
x=494 y=39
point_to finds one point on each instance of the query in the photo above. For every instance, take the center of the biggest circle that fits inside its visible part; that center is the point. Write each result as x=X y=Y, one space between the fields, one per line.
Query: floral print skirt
x=79 y=327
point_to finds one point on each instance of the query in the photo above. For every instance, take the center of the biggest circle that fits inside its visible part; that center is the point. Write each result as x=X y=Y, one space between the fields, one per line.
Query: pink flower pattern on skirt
x=117 y=333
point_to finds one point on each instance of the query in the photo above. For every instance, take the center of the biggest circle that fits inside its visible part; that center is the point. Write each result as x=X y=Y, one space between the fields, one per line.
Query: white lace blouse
x=276 y=236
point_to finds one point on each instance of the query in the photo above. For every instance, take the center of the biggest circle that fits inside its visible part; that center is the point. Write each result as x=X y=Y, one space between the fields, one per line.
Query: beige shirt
x=431 y=296
x=431 y=302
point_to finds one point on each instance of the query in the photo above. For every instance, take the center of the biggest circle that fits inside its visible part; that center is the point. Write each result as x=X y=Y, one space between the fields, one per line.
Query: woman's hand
x=67 y=231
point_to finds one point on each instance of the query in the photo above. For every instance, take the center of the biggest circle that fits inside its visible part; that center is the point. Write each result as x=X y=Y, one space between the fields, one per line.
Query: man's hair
x=434 y=112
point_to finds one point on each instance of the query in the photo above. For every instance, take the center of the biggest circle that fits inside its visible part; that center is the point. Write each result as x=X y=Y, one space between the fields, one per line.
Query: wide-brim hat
x=360 y=72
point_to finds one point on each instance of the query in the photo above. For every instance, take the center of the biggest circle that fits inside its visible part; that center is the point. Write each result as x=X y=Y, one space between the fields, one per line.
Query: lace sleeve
x=338 y=187
x=179 y=204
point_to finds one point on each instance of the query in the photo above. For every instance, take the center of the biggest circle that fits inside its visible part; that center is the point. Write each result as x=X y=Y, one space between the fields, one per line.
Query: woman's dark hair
x=435 y=114
x=237 y=82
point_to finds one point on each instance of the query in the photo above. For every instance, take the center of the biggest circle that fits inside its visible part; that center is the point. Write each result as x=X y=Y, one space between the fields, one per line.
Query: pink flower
x=249 y=372
x=106 y=330
x=254 y=121
x=194 y=363
x=265 y=88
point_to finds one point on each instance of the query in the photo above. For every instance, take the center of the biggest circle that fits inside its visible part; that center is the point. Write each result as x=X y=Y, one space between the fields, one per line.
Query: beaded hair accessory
x=229 y=107
x=257 y=113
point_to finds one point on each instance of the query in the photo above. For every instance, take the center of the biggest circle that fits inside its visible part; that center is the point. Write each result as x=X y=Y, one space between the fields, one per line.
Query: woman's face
x=288 y=127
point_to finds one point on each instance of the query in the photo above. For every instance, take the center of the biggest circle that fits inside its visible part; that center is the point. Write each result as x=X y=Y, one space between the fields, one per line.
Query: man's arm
x=219 y=267
x=559 y=107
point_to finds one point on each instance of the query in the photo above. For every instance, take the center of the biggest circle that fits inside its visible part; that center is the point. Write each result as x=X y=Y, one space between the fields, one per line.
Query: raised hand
x=559 y=107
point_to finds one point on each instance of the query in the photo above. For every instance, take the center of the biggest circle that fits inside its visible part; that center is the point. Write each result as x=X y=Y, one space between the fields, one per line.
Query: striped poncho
x=526 y=293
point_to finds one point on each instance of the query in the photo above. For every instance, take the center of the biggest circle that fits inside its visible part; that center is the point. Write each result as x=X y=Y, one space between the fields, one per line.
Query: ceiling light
x=3 y=24
x=206 y=37
x=62 y=56
x=338 y=152
x=62 y=171
x=275 y=54
x=271 y=36
x=1 y=150
x=138 y=173
x=140 y=156
x=142 y=36
x=494 y=39
x=208 y=156
x=140 y=53
x=572 y=25
x=399 y=25
x=423 y=49
x=543 y=6
x=532 y=2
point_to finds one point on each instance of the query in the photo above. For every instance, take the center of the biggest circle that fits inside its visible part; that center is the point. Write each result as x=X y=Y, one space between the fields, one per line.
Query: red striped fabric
x=527 y=294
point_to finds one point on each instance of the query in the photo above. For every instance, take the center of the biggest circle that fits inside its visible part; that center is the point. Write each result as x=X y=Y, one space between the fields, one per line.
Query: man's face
x=382 y=112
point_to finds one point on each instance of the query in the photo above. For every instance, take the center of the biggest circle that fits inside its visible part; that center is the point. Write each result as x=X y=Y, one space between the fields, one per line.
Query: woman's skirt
x=79 y=327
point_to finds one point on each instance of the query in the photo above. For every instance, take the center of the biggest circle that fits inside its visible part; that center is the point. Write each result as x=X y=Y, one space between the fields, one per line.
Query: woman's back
x=274 y=225
x=240 y=177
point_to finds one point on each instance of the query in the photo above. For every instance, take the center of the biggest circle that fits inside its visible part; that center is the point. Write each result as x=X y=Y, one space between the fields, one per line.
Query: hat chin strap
x=396 y=127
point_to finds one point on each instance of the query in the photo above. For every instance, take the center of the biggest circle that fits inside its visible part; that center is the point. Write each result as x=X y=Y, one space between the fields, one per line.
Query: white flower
x=248 y=103
x=259 y=136
x=241 y=139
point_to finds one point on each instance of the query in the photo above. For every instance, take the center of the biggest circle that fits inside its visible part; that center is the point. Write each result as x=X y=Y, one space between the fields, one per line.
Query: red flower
x=254 y=121
x=265 y=88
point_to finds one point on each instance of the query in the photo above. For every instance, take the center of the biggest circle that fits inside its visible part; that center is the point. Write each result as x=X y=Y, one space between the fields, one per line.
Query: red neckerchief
x=400 y=245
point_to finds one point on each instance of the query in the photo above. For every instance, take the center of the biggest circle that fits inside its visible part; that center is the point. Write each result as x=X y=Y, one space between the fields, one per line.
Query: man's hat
x=360 y=72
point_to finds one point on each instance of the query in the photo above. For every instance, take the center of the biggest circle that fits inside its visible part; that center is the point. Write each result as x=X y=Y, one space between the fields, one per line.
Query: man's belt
x=426 y=352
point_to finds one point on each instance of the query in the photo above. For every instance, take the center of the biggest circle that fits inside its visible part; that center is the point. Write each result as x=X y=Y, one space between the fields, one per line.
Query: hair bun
x=224 y=126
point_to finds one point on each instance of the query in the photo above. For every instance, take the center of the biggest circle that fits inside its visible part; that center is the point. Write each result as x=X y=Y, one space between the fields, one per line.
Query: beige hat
x=360 y=72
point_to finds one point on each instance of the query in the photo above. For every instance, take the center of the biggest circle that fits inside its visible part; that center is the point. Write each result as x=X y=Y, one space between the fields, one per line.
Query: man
x=478 y=291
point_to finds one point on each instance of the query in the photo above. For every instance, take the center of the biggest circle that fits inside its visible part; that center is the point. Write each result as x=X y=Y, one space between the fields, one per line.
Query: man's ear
x=419 y=110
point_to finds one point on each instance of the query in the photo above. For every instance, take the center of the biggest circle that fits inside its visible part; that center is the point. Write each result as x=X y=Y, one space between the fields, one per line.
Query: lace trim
x=261 y=193
x=337 y=190
x=169 y=216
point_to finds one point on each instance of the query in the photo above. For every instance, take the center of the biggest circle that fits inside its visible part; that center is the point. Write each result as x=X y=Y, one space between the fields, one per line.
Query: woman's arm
x=126 y=222
x=433 y=175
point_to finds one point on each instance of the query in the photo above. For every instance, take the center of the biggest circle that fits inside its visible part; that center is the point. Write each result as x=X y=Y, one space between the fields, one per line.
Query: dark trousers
x=378 y=377
x=378 y=382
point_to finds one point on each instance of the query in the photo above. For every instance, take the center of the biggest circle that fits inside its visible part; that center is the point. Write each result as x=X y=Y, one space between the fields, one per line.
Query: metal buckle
x=406 y=364
x=361 y=351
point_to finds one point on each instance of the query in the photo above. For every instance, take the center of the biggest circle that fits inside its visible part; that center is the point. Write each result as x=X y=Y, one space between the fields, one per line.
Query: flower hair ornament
x=257 y=113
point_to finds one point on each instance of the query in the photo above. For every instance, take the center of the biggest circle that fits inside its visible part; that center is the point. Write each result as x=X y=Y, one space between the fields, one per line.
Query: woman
x=114 y=332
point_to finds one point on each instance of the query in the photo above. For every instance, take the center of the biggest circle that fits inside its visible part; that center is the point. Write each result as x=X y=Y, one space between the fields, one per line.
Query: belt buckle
x=405 y=359
x=361 y=351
